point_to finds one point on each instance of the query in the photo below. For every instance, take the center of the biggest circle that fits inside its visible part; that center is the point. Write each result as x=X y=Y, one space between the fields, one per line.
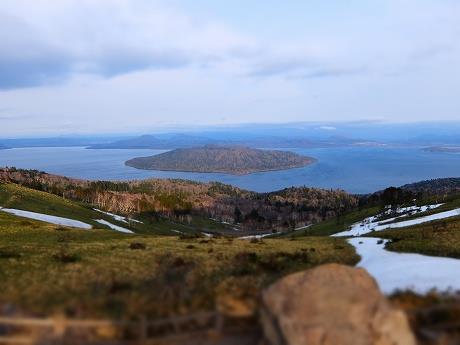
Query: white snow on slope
x=373 y=224
x=303 y=227
x=47 y=218
x=402 y=271
x=119 y=218
x=413 y=209
x=113 y=226
x=250 y=237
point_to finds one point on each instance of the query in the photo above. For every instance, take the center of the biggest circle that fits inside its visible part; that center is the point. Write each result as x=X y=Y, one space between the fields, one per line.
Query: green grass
x=15 y=196
x=47 y=269
x=437 y=238
x=333 y=226
x=211 y=225
x=18 y=197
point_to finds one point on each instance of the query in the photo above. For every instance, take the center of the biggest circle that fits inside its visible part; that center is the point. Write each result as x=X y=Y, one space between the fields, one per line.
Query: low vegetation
x=335 y=225
x=46 y=269
x=438 y=238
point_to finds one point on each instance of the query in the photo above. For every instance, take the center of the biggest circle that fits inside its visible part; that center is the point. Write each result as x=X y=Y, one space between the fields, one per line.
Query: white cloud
x=116 y=65
x=106 y=37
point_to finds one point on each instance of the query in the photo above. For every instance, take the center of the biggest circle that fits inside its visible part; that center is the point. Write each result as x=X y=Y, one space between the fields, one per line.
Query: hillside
x=218 y=159
x=29 y=203
x=186 y=201
x=440 y=187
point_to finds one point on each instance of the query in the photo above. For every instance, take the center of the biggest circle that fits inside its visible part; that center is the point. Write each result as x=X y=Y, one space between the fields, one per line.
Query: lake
x=354 y=169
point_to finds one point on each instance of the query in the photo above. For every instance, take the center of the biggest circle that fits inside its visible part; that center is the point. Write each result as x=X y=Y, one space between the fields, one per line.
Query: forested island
x=234 y=160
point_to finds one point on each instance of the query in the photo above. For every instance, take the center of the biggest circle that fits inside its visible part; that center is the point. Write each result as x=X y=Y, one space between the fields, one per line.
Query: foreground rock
x=331 y=305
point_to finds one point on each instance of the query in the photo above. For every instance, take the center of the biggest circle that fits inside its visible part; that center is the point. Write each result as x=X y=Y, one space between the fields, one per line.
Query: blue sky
x=85 y=66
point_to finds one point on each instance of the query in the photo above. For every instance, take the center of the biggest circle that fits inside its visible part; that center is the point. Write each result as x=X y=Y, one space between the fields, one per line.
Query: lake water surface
x=354 y=169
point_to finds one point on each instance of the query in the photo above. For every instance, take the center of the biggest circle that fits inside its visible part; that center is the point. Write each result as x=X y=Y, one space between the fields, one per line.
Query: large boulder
x=331 y=305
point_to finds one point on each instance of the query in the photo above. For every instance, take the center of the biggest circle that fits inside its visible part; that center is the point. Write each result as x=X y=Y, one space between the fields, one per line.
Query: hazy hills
x=232 y=160
x=54 y=142
x=443 y=149
x=287 y=135
x=190 y=141
x=154 y=142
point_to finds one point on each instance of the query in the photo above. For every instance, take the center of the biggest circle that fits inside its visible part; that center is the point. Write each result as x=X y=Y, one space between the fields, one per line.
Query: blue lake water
x=357 y=169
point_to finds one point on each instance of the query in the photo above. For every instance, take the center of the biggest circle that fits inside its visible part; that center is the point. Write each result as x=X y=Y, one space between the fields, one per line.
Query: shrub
x=66 y=257
x=25 y=223
x=189 y=236
x=8 y=254
x=137 y=246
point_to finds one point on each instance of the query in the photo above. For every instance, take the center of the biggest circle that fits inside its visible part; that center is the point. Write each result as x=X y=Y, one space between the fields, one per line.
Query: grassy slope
x=45 y=269
x=15 y=196
x=447 y=206
x=335 y=225
x=438 y=238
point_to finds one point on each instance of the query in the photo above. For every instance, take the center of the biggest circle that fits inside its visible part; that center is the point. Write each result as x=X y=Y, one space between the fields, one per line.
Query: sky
x=134 y=66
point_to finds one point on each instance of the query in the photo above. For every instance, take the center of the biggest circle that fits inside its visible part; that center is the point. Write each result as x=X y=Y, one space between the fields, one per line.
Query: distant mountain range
x=190 y=141
x=445 y=149
x=152 y=142
x=54 y=142
x=218 y=159
x=288 y=135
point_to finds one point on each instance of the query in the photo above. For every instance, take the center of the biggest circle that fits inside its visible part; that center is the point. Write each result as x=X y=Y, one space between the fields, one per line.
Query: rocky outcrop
x=331 y=305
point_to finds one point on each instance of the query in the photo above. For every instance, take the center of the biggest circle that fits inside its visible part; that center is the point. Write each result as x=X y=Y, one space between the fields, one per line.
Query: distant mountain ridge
x=441 y=186
x=53 y=142
x=443 y=149
x=152 y=142
x=177 y=141
x=236 y=160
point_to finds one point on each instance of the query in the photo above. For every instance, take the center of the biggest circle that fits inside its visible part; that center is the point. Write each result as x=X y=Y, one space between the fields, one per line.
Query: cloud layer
x=79 y=64
x=48 y=40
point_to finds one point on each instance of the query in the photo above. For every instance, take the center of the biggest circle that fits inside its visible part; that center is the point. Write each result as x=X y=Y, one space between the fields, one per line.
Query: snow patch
x=373 y=224
x=402 y=271
x=47 y=218
x=113 y=226
x=119 y=218
x=255 y=236
x=303 y=227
